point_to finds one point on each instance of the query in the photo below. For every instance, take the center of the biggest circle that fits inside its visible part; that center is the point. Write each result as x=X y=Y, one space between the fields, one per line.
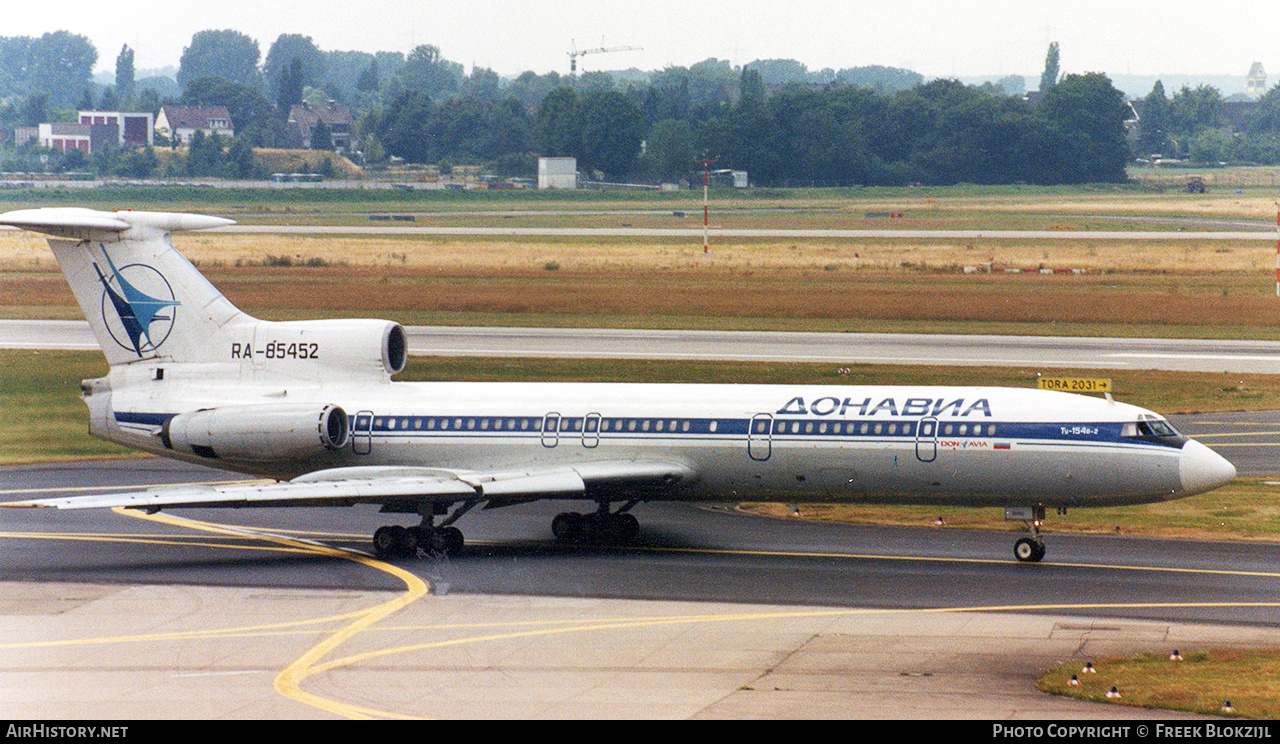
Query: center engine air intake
x=258 y=432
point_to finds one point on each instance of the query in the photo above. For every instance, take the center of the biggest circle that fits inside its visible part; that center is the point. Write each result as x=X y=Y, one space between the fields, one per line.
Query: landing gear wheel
x=626 y=527
x=1028 y=550
x=450 y=539
x=596 y=528
x=384 y=542
x=567 y=526
x=394 y=541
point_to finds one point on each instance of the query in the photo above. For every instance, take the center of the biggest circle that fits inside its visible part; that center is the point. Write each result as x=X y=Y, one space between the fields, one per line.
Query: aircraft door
x=362 y=433
x=551 y=430
x=591 y=430
x=927 y=439
x=760 y=437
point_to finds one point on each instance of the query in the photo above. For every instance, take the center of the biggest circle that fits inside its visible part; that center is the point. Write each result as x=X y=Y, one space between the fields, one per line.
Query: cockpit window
x=1156 y=431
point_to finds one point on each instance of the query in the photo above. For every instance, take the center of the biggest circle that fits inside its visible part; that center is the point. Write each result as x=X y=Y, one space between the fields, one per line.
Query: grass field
x=1233 y=193
x=1201 y=682
x=1133 y=289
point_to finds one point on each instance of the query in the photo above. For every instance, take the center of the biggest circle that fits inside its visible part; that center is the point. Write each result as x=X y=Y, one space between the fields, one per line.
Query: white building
x=64 y=136
x=181 y=122
x=557 y=173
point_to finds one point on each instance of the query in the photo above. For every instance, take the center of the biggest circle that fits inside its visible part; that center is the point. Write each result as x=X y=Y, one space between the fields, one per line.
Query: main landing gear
x=1028 y=549
x=601 y=526
x=395 y=541
x=598 y=527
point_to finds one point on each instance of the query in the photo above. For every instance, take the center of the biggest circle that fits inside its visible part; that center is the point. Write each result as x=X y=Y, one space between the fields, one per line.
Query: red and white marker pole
x=705 y=222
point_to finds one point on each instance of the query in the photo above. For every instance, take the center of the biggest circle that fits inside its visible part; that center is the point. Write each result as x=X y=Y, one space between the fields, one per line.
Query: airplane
x=312 y=405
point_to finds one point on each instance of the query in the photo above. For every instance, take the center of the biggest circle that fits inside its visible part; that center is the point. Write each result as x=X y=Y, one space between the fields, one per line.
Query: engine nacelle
x=256 y=433
x=324 y=350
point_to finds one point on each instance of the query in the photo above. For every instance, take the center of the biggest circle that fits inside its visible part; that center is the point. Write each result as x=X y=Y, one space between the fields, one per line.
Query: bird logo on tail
x=137 y=311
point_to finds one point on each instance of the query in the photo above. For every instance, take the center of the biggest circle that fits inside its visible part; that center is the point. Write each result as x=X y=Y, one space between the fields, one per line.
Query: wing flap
x=346 y=486
x=293 y=493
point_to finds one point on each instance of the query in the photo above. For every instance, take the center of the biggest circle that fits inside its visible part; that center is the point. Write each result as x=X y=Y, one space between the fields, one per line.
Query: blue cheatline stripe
x=143 y=419
x=781 y=429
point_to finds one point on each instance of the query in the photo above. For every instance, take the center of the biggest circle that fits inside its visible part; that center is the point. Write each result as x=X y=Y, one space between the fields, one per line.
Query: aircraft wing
x=390 y=484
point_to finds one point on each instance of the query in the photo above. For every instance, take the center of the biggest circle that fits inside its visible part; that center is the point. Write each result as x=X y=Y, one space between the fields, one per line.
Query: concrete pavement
x=74 y=651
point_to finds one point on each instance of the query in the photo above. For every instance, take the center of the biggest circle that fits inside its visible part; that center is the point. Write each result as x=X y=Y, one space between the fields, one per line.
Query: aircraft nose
x=1201 y=469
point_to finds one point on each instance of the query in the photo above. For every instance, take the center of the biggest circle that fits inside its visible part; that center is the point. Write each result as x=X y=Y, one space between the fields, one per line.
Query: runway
x=1192 y=355
x=693 y=232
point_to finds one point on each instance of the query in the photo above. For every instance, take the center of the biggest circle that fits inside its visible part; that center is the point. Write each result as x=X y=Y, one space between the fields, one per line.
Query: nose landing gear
x=1028 y=549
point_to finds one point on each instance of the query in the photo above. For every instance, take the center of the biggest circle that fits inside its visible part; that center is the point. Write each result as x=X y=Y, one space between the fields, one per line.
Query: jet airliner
x=312 y=406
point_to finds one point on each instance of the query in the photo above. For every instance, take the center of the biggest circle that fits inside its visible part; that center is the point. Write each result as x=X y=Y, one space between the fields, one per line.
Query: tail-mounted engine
x=258 y=433
x=320 y=350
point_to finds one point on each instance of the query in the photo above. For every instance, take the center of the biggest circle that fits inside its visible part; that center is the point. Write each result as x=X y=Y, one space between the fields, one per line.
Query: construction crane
x=574 y=53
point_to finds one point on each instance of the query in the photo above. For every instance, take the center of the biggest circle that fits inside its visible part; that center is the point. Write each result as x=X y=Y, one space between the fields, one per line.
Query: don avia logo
x=142 y=305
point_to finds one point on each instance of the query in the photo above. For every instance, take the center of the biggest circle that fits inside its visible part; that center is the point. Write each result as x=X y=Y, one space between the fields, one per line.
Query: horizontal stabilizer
x=87 y=224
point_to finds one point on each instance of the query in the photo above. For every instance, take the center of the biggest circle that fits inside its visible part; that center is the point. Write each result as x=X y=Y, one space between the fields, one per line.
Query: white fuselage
x=953 y=445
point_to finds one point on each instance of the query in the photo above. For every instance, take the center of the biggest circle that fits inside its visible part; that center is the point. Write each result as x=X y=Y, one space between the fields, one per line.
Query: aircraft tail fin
x=143 y=299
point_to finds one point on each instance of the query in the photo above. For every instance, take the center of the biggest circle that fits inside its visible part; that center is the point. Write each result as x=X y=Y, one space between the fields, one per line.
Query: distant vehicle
x=194 y=378
x=296 y=177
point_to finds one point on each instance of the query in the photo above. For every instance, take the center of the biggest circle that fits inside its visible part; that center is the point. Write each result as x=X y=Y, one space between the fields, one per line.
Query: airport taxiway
x=279 y=613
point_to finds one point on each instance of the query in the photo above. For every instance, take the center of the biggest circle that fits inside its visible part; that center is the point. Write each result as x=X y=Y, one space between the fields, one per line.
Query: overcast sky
x=958 y=38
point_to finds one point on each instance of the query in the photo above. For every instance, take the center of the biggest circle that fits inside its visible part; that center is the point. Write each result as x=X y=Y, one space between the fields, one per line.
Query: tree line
x=776 y=119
